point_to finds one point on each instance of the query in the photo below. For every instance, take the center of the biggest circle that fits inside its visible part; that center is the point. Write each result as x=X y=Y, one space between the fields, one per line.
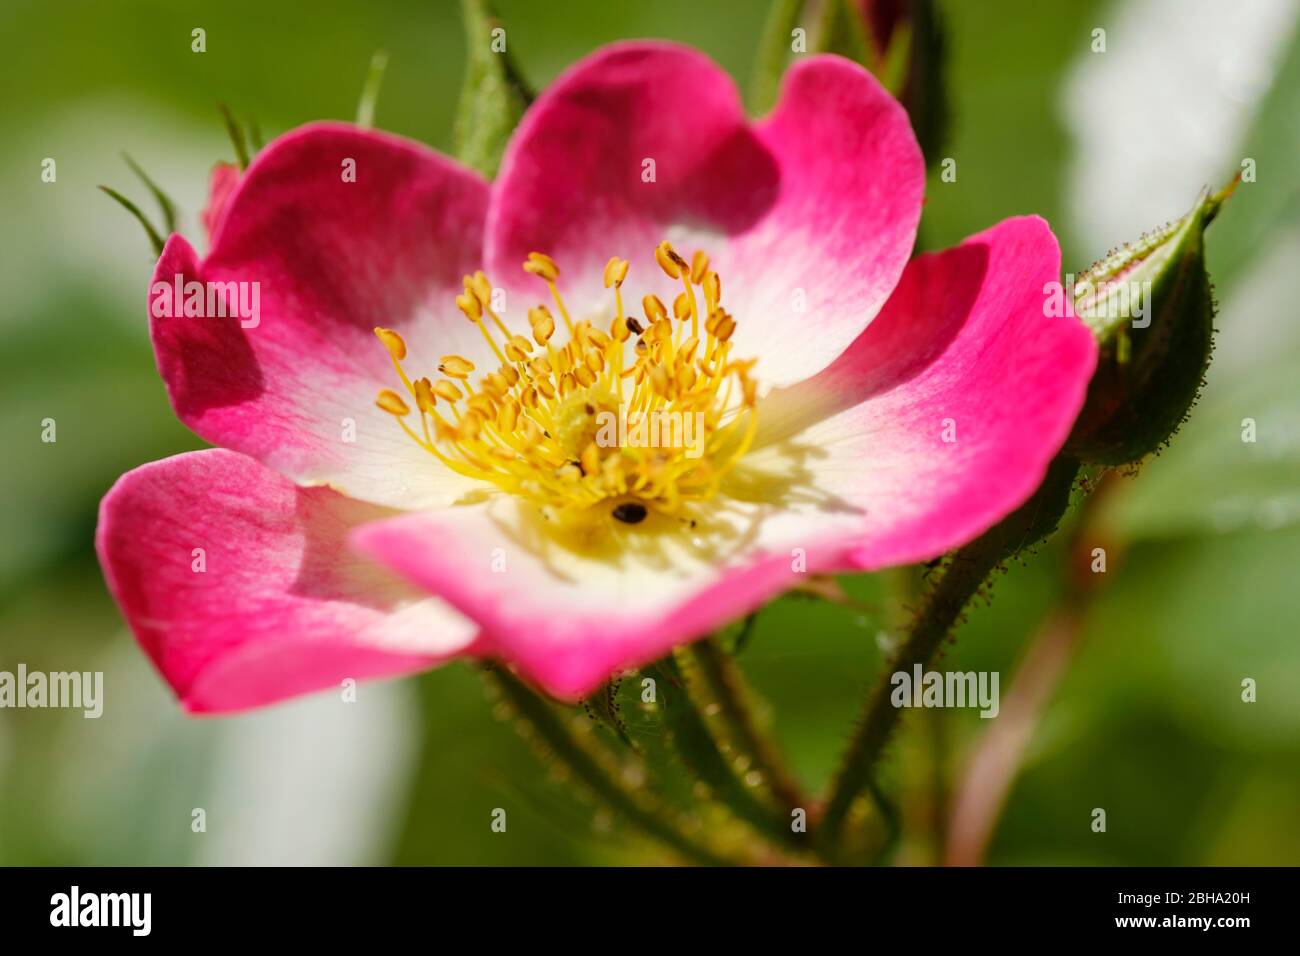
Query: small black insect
x=630 y=512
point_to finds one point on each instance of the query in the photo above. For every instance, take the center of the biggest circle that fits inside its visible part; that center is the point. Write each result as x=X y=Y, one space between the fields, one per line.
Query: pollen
x=622 y=417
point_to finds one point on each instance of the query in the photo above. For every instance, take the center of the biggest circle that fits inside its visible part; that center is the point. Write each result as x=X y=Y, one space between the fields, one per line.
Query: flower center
x=595 y=422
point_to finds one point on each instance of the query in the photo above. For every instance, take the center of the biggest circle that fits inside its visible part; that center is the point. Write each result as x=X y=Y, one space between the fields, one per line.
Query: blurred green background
x=1148 y=721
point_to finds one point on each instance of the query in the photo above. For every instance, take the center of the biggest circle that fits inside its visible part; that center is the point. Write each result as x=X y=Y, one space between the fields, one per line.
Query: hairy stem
x=725 y=686
x=960 y=580
x=637 y=806
x=958 y=584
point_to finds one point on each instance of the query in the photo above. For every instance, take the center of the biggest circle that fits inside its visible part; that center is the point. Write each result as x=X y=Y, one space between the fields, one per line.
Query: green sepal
x=154 y=239
x=1151 y=307
x=494 y=96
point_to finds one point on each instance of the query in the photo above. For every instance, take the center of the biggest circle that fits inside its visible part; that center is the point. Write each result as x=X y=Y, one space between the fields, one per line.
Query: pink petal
x=965 y=340
x=282 y=606
x=332 y=260
x=820 y=200
x=871 y=482
x=569 y=619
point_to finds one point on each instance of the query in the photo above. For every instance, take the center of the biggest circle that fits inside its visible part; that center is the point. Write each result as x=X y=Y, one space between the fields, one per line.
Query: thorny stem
x=638 y=807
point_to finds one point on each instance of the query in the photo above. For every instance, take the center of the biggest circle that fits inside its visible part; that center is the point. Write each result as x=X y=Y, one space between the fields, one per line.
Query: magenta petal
x=332 y=258
x=221 y=184
x=809 y=216
x=281 y=606
x=568 y=620
x=944 y=415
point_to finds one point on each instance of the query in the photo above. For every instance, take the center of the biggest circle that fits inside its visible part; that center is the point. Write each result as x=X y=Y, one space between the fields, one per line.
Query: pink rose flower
x=381 y=504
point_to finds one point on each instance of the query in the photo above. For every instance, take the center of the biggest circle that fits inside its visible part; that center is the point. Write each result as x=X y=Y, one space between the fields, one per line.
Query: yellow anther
x=682 y=307
x=480 y=286
x=699 y=266
x=542 y=266
x=543 y=330
x=392 y=403
x=527 y=425
x=508 y=417
x=672 y=264
x=447 y=390
x=712 y=289
x=654 y=308
x=686 y=351
x=470 y=305
x=726 y=326
x=615 y=271
x=393 y=342
x=424 y=397
x=455 y=366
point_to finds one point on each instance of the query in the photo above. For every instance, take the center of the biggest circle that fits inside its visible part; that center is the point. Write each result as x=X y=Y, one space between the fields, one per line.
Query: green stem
x=960 y=580
x=698 y=748
x=725 y=687
x=638 y=807
x=959 y=583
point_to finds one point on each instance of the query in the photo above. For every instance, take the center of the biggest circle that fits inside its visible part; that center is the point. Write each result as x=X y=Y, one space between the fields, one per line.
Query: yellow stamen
x=393 y=342
x=455 y=366
x=392 y=403
x=561 y=428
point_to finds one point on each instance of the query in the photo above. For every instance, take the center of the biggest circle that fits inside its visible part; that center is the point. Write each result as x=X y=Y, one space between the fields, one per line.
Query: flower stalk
x=637 y=806
x=960 y=580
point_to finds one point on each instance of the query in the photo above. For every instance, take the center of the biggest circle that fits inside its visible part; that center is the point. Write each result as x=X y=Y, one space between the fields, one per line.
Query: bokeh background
x=1148 y=720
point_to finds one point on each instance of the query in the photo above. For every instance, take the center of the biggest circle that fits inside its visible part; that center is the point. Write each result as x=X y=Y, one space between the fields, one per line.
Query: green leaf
x=494 y=96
